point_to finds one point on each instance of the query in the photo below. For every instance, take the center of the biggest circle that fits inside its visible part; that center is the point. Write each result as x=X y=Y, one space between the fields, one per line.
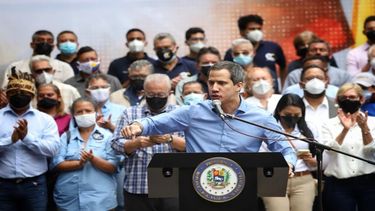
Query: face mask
x=156 y=103
x=47 y=103
x=372 y=63
x=349 y=106
x=301 y=52
x=193 y=98
x=137 y=84
x=68 y=47
x=205 y=69
x=243 y=59
x=85 y=120
x=315 y=86
x=196 y=47
x=367 y=94
x=255 y=35
x=89 y=67
x=165 y=55
x=100 y=95
x=43 y=48
x=290 y=121
x=19 y=100
x=136 y=46
x=44 y=78
x=371 y=35
x=261 y=87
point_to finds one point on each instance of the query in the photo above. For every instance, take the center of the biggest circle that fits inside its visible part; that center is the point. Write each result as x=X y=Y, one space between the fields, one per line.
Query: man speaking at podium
x=206 y=132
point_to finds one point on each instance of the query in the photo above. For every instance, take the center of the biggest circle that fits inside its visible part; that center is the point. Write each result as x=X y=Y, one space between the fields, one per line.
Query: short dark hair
x=66 y=32
x=237 y=73
x=368 y=19
x=96 y=77
x=81 y=99
x=208 y=50
x=243 y=21
x=316 y=57
x=190 y=83
x=135 y=30
x=193 y=30
x=42 y=32
x=305 y=69
x=84 y=49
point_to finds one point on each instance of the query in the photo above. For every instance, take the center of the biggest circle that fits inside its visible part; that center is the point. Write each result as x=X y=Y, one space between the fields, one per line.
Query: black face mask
x=47 y=103
x=349 y=106
x=43 y=48
x=301 y=52
x=19 y=100
x=205 y=69
x=290 y=121
x=371 y=35
x=137 y=84
x=156 y=103
x=165 y=55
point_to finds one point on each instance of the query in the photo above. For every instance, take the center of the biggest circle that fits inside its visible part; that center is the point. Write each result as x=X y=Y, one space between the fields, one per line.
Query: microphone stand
x=318 y=146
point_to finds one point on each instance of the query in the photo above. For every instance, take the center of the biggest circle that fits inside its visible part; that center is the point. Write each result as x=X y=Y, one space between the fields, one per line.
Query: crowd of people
x=75 y=137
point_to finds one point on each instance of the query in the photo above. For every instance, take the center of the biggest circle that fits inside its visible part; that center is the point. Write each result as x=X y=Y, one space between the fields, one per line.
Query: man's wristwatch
x=170 y=140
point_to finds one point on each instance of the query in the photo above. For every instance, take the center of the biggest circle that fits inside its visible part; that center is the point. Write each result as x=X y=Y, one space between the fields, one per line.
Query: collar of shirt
x=131 y=59
x=324 y=104
x=148 y=112
x=30 y=110
x=159 y=64
x=77 y=136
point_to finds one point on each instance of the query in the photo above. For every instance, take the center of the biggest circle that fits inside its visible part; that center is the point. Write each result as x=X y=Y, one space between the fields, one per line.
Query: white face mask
x=89 y=67
x=315 y=86
x=196 y=47
x=85 y=120
x=136 y=46
x=254 y=35
x=261 y=87
x=372 y=62
x=44 y=78
x=100 y=95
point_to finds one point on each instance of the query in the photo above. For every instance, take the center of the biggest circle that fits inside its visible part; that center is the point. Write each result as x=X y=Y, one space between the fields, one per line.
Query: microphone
x=217 y=108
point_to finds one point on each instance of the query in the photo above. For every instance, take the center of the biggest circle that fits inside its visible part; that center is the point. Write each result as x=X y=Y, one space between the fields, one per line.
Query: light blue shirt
x=206 y=132
x=27 y=157
x=331 y=90
x=88 y=188
x=112 y=109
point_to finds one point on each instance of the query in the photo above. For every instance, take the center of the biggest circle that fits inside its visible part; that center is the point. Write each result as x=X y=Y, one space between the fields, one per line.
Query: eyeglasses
x=152 y=95
x=98 y=87
x=350 y=97
x=41 y=70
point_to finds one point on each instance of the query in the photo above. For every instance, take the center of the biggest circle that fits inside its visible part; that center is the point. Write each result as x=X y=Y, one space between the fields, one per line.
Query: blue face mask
x=68 y=47
x=367 y=94
x=193 y=98
x=243 y=60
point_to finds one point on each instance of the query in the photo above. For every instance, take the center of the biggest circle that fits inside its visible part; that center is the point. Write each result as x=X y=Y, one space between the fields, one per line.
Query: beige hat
x=365 y=79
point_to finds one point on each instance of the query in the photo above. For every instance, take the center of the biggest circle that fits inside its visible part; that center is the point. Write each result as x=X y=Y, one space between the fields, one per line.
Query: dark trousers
x=356 y=193
x=23 y=194
x=141 y=202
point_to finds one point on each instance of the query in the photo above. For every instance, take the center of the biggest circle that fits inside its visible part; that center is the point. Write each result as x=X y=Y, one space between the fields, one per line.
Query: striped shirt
x=135 y=164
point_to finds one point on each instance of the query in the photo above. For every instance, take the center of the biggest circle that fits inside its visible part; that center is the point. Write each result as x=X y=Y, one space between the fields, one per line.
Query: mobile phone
x=302 y=151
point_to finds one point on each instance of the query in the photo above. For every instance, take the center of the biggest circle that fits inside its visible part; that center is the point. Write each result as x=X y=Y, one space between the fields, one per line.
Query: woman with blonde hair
x=349 y=183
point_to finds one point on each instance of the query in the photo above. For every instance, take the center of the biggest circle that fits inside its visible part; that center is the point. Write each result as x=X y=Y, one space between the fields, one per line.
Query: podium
x=183 y=176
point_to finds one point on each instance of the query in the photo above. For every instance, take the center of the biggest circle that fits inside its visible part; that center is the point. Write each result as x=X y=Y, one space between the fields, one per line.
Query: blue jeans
x=23 y=194
x=356 y=193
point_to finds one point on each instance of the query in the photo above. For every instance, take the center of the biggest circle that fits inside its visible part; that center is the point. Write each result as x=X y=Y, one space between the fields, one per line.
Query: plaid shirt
x=135 y=164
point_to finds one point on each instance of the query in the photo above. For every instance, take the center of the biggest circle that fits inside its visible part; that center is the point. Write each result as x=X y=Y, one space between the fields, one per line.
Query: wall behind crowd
x=102 y=24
